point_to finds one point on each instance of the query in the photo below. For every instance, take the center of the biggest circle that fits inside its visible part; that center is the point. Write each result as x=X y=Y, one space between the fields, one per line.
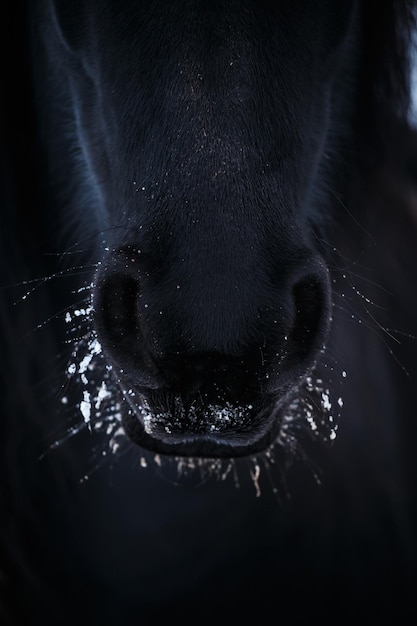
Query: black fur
x=208 y=270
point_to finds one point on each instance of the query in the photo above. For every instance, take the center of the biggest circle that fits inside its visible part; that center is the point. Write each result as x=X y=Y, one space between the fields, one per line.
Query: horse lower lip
x=196 y=446
x=212 y=437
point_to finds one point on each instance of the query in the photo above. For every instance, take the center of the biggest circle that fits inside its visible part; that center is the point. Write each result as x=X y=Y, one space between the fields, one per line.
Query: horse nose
x=275 y=341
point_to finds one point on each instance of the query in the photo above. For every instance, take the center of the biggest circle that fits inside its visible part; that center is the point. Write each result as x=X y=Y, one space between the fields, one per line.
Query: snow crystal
x=85 y=407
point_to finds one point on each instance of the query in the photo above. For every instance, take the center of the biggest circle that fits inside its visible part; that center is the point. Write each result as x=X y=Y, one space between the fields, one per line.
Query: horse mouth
x=176 y=427
x=203 y=426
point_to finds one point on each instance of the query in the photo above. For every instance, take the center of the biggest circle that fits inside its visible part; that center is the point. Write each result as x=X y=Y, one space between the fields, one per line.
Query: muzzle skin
x=204 y=157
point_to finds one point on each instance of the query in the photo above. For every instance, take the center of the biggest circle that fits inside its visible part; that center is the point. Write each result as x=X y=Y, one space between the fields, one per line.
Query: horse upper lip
x=218 y=430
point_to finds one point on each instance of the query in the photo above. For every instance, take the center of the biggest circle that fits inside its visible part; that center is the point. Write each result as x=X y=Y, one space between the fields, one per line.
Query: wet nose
x=271 y=349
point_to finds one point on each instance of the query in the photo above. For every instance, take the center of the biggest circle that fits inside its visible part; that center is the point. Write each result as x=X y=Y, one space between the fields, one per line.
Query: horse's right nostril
x=119 y=326
x=117 y=304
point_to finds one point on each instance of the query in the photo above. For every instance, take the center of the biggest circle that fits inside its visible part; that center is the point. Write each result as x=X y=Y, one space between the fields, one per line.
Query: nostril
x=119 y=329
x=311 y=318
x=115 y=305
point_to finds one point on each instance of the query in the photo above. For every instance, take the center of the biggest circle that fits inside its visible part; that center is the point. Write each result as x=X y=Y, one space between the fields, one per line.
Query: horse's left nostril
x=312 y=315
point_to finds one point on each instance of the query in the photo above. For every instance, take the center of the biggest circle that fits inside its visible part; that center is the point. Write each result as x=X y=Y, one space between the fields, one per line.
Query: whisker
x=343 y=205
x=69 y=272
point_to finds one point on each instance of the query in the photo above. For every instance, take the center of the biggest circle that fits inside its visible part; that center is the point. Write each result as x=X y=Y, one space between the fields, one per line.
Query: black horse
x=209 y=294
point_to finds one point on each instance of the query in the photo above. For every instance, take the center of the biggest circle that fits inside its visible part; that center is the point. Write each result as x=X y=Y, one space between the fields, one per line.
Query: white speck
x=102 y=394
x=85 y=363
x=326 y=402
x=255 y=473
x=95 y=347
x=85 y=407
